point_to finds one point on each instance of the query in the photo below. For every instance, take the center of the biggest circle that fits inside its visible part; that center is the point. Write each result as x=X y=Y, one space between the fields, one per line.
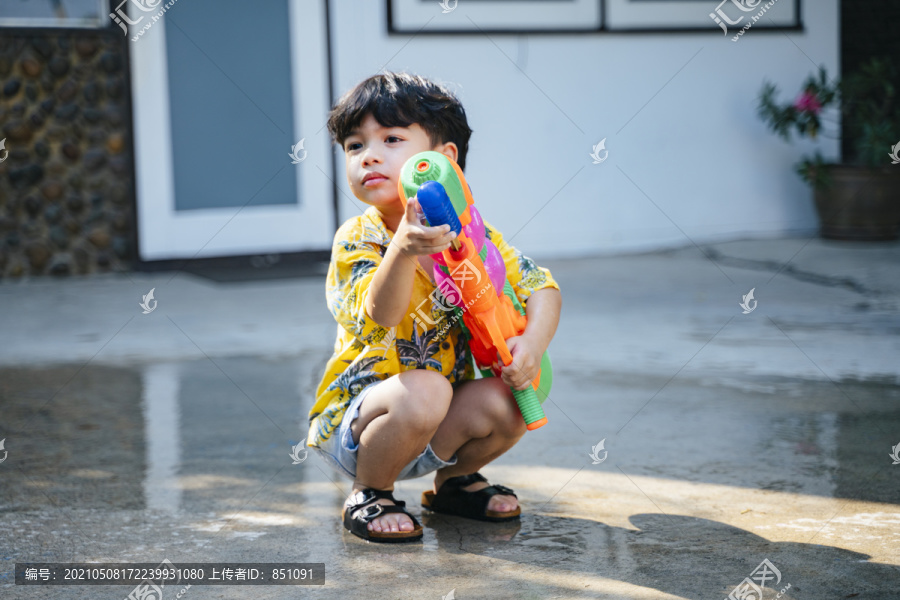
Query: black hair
x=399 y=100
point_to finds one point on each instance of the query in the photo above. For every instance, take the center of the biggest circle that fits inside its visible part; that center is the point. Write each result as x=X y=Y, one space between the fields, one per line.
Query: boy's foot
x=473 y=497
x=376 y=516
x=499 y=502
x=387 y=521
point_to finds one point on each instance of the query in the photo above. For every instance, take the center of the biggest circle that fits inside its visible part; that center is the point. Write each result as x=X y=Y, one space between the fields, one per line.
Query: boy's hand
x=525 y=365
x=413 y=238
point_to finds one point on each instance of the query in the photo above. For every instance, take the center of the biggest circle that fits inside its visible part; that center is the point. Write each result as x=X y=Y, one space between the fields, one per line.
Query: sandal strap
x=461 y=481
x=369 y=495
x=373 y=511
x=501 y=489
x=457 y=483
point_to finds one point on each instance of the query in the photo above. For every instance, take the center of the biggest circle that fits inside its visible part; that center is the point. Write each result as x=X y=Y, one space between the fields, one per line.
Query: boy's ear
x=449 y=150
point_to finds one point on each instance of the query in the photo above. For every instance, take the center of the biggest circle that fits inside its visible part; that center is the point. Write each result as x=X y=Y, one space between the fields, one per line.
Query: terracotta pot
x=860 y=204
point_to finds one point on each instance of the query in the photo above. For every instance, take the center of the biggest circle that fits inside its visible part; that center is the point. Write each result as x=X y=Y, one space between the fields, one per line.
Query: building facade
x=149 y=132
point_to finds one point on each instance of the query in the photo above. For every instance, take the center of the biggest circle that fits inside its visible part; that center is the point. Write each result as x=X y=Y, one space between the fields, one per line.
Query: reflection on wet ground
x=191 y=461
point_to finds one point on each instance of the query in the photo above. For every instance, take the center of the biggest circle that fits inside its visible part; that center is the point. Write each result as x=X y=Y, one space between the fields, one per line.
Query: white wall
x=697 y=149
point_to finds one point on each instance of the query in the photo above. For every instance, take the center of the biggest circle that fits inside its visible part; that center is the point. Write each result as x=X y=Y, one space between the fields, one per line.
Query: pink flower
x=808 y=102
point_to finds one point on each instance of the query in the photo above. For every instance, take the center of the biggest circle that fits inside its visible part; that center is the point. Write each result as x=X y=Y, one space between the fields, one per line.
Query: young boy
x=397 y=402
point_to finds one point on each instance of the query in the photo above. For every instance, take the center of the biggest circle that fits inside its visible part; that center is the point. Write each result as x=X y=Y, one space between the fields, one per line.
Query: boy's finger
x=435 y=233
x=440 y=248
x=511 y=370
x=411 y=216
x=517 y=382
x=507 y=379
x=427 y=236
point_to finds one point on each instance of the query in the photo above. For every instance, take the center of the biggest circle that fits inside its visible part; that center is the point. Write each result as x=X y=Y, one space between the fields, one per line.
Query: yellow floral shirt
x=364 y=351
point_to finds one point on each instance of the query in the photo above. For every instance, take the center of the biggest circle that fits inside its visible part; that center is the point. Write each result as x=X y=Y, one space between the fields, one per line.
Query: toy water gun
x=472 y=276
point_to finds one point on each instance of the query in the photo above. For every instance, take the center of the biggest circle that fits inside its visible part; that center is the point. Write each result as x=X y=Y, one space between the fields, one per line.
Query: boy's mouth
x=373 y=179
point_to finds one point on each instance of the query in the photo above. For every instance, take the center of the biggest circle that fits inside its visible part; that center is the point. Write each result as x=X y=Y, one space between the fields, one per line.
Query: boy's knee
x=504 y=412
x=510 y=423
x=428 y=401
x=428 y=387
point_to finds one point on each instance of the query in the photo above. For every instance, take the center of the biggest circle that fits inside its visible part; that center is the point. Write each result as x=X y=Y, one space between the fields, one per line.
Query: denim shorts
x=339 y=450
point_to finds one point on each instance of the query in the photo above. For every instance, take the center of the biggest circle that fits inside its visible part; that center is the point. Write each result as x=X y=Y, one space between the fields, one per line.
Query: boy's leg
x=482 y=423
x=396 y=421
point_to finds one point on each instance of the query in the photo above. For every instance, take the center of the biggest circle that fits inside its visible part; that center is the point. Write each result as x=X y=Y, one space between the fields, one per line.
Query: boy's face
x=375 y=154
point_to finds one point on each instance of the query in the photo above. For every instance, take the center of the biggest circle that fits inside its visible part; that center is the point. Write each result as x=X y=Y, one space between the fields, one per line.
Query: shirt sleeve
x=350 y=273
x=523 y=274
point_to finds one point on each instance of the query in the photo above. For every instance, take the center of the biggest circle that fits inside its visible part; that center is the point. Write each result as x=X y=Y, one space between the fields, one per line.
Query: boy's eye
x=393 y=138
x=353 y=146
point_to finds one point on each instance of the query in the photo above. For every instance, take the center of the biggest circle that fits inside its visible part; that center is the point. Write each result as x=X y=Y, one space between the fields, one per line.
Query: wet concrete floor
x=706 y=471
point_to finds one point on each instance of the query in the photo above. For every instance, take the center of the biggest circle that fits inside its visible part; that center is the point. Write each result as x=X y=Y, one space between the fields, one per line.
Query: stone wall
x=66 y=186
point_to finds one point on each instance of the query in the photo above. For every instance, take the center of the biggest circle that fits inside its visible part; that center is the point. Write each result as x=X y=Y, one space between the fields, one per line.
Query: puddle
x=160 y=437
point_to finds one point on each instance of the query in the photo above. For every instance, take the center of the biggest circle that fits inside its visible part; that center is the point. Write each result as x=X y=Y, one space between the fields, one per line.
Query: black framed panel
x=591 y=16
x=513 y=16
x=729 y=16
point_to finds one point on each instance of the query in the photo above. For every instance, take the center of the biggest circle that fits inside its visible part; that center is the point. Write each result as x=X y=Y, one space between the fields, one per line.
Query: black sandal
x=362 y=510
x=451 y=499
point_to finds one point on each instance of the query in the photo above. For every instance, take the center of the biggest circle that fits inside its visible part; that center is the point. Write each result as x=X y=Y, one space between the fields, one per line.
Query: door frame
x=166 y=234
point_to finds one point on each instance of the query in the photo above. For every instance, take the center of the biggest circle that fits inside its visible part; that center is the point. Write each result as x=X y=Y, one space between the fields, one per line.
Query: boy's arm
x=542 y=309
x=537 y=290
x=391 y=288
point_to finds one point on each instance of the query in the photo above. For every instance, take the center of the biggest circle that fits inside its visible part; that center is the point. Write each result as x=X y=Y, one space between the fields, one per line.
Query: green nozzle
x=433 y=166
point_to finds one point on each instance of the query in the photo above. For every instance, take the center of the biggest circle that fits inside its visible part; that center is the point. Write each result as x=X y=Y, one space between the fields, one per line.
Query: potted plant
x=860 y=198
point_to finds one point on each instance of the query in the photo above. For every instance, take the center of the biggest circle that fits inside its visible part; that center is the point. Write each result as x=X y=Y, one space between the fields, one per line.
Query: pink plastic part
x=475 y=229
x=496 y=269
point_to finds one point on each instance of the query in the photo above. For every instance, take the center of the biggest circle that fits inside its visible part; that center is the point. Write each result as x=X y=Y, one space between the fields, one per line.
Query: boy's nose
x=370 y=156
